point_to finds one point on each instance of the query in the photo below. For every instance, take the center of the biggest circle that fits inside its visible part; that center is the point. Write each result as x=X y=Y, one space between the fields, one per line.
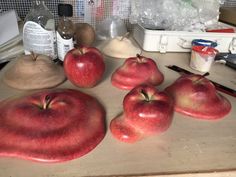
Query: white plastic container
x=180 y=41
x=202 y=58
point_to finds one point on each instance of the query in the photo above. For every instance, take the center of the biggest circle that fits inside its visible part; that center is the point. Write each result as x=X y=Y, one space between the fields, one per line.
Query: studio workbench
x=189 y=148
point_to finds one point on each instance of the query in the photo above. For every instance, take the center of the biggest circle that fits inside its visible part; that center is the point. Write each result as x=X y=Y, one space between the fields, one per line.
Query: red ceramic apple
x=135 y=71
x=51 y=125
x=146 y=112
x=197 y=97
x=84 y=66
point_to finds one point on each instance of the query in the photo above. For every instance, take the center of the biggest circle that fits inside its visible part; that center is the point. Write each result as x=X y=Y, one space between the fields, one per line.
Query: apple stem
x=81 y=51
x=47 y=101
x=125 y=35
x=145 y=95
x=202 y=76
x=139 y=58
x=34 y=55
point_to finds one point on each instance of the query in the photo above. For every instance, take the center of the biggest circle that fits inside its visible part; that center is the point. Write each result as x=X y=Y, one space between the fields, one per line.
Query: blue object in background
x=203 y=42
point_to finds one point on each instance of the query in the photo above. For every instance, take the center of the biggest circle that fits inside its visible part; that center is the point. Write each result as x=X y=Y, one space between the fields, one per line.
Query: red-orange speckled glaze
x=51 y=126
x=197 y=97
x=135 y=71
x=147 y=112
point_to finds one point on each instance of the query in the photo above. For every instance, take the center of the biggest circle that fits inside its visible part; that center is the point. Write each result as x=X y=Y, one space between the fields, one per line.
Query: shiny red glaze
x=123 y=130
x=143 y=115
x=197 y=97
x=135 y=71
x=84 y=66
x=70 y=126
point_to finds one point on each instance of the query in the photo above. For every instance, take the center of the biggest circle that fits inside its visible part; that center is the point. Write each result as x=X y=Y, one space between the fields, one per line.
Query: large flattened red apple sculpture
x=84 y=66
x=135 y=71
x=51 y=125
x=147 y=112
x=197 y=97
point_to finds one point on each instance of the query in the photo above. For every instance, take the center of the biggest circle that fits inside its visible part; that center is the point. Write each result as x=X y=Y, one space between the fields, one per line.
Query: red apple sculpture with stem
x=135 y=71
x=84 y=66
x=146 y=112
x=51 y=125
x=197 y=97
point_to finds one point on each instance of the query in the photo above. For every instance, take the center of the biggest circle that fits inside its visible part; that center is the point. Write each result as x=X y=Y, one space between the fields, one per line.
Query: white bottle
x=65 y=30
x=39 y=34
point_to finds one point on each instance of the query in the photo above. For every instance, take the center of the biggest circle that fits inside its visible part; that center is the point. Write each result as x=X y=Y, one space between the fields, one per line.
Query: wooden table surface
x=189 y=147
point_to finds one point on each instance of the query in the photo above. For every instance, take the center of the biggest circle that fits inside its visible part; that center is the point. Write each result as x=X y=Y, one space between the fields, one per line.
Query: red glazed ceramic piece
x=84 y=66
x=135 y=71
x=146 y=112
x=51 y=125
x=197 y=97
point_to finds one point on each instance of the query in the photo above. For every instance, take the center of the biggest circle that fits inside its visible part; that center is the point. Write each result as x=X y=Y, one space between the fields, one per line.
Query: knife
x=218 y=87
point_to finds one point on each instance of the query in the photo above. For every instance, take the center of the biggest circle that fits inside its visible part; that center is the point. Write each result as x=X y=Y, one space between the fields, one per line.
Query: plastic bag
x=186 y=15
x=208 y=11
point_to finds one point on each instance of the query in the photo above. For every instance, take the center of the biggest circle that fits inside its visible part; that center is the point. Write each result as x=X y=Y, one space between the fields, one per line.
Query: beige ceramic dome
x=121 y=47
x=33 y=72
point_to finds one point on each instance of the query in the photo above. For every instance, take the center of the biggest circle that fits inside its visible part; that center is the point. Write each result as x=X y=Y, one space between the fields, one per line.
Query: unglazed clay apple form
x=146 y=112
x=34 y=71
x=135 y=71
x=197 y=97
x=84 y=66
x=51 y=126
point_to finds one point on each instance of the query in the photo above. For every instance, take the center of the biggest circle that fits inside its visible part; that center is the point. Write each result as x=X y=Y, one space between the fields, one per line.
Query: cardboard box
x=228 y=15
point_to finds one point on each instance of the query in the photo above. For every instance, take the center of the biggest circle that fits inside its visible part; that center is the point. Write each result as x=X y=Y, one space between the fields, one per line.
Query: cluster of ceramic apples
x=148 y=111
x=55 y=125
x=67 y=124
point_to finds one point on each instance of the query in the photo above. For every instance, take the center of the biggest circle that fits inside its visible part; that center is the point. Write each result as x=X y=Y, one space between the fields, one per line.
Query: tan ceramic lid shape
x=121 y=47
x=33 y=72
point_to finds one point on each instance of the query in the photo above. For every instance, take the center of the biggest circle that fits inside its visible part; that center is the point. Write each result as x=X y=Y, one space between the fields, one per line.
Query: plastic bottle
x=65 y=30
x=39 y=34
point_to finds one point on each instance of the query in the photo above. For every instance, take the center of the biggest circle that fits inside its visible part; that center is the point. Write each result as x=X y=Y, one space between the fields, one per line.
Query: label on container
x=80 y=8
x=63 y=46
x=38 y=40
x=88 y=9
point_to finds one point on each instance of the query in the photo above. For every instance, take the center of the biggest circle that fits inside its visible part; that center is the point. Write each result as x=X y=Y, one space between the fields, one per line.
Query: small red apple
x=197 y=97
x=135 y=71
x=51 y=125
x=84 y=66
x=146 y=112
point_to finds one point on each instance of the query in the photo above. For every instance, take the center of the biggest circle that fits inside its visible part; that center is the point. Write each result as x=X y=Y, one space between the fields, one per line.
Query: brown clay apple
x=146 y=112
x=51 y=125
x=84 y=66
x=197 y=97
x=84 y=34
x=135 y=71
x=34 y=71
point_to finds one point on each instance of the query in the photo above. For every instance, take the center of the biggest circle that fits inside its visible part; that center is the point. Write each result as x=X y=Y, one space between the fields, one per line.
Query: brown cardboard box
x=228 y=15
